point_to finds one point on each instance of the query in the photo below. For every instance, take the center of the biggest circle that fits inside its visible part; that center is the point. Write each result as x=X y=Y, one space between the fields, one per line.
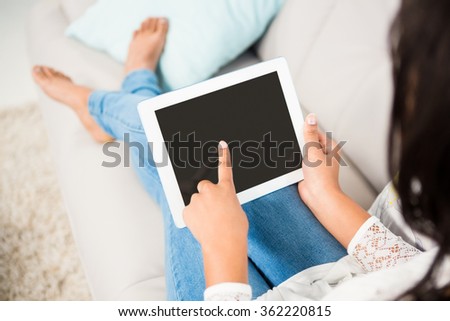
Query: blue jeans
x=284 y=237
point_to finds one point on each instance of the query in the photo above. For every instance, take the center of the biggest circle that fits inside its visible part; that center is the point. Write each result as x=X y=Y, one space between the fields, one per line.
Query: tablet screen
x=252 y=117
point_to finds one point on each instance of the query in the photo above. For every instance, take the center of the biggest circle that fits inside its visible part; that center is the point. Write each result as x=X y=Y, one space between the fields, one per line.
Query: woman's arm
x=320 y=189
x=219 y=224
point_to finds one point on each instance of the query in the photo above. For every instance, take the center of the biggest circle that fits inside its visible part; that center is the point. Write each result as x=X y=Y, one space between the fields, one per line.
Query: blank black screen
x=246 y=116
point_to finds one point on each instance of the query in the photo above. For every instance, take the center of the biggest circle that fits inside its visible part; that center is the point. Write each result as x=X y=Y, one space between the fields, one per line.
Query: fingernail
x=223 y=144
x=312 y=119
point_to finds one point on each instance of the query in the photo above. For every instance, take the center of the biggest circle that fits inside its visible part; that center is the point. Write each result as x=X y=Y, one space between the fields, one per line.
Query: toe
x=46 y=72
x=53 y=72
x=163 y=25
x=61 y=75
x=146 y=23
x=37 y=70
x=153 y=24
x=57 y=75
x=38 y=74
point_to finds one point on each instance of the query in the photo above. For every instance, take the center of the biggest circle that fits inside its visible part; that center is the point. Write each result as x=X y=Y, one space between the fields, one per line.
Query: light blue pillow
x=204 y=35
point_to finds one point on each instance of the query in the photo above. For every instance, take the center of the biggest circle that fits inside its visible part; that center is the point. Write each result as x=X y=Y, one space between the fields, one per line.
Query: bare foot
x=147 y=45
x=61 y=88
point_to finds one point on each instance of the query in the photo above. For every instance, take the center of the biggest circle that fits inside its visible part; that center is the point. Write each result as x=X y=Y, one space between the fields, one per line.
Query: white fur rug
x=38 y=258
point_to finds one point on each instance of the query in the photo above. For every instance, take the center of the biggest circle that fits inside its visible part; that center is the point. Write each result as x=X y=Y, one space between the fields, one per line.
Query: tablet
x=255 y=110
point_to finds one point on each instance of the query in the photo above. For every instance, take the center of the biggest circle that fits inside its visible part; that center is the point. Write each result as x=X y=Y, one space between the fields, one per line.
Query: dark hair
x=419 y=145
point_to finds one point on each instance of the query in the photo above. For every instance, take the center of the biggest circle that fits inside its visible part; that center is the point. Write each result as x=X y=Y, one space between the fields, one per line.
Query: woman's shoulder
x=387 y=208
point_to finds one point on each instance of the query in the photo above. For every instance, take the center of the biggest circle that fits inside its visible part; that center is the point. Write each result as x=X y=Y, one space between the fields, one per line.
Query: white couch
x=338 y=53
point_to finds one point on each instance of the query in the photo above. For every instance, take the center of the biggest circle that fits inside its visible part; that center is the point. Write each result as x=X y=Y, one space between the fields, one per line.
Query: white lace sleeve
x=228 y=292
x=376 y=248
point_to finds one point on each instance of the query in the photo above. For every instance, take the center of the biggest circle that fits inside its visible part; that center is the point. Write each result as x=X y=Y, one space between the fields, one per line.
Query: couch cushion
x=117 y=227
x=339 y=57
x=203 y=35
x=293 y=32
x=73 y=9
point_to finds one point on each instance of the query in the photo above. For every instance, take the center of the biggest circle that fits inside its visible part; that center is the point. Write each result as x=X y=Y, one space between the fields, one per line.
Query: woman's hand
x=320 y=189
x=320 y=165
x=219 y=224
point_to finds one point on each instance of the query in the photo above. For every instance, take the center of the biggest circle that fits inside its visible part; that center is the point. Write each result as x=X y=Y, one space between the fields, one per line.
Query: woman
x=419 y=153
x=251 y=245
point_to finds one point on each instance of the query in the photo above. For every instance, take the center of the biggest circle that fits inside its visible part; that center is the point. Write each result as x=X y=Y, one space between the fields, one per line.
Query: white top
x=395 y=263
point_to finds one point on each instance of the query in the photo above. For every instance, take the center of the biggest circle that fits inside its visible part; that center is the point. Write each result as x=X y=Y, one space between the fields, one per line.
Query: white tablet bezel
x=147 y=111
